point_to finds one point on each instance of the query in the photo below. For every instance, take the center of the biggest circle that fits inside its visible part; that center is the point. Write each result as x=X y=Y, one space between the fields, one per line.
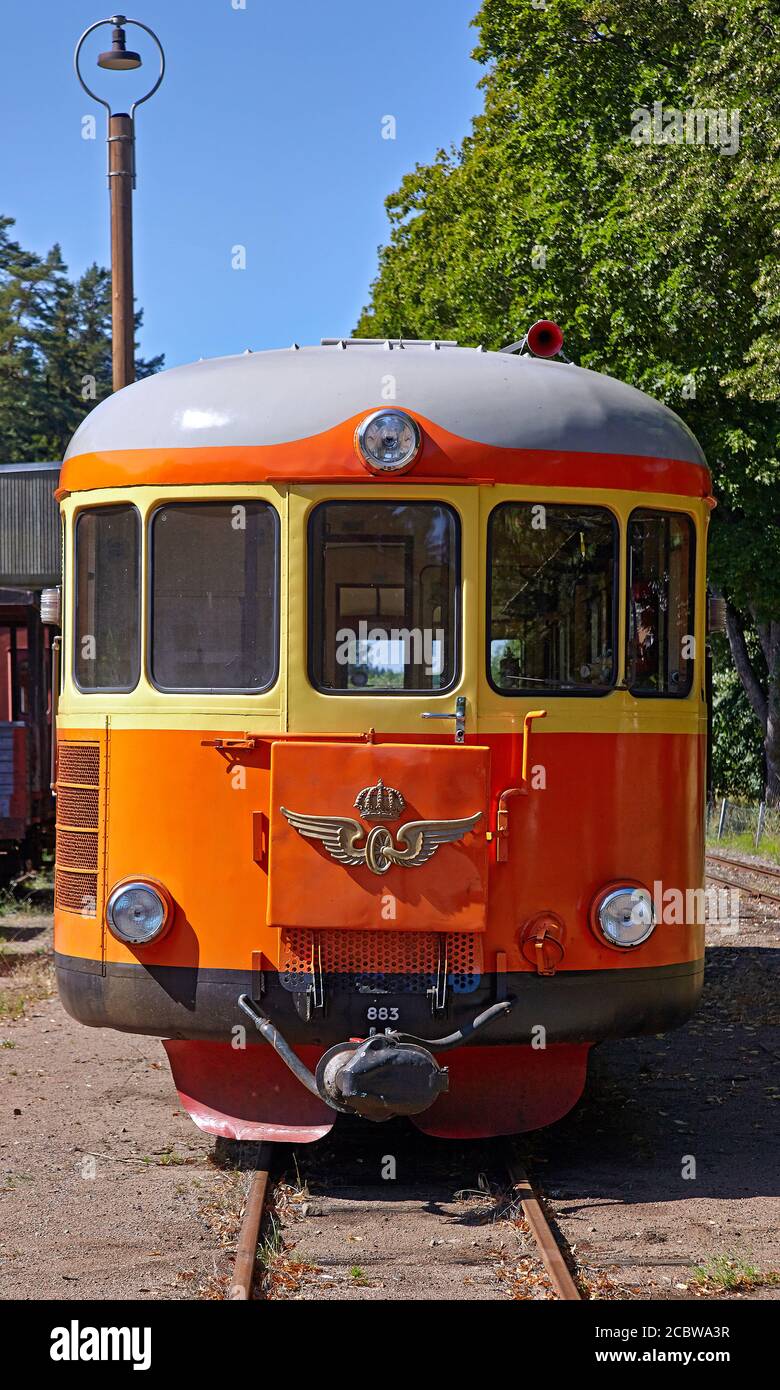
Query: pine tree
x=55 y=349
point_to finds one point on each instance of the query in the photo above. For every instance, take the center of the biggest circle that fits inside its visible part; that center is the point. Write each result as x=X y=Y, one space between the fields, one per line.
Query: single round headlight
x=388 y=440
x=138 y=912
x=624 y=916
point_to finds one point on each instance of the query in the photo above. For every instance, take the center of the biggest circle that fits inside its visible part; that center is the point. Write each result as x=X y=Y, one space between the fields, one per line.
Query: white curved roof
x=283 y=395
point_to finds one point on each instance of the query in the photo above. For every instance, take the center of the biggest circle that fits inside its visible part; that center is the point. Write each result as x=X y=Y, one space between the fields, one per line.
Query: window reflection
x=659 y=658
x=383 y=596
x=552 y=582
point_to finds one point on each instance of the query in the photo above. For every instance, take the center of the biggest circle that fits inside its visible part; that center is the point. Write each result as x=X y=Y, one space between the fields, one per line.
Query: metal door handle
x=458 y=714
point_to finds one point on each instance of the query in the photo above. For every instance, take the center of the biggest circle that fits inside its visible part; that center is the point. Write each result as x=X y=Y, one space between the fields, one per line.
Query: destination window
x=383 y=597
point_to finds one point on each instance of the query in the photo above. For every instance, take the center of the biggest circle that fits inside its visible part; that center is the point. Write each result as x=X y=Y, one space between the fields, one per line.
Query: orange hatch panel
x=335 y=864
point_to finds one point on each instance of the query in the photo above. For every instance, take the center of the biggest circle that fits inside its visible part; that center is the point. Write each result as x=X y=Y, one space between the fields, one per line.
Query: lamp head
x=119 y=58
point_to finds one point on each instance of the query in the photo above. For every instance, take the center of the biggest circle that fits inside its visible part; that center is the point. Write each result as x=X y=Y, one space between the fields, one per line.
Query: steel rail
x=766 y=869
x=542 y=1233
x=246 y=1253
x=761 y=893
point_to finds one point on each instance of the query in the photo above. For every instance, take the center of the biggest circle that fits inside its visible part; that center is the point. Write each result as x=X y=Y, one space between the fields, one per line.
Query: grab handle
x=502 y=818
x=458 y=714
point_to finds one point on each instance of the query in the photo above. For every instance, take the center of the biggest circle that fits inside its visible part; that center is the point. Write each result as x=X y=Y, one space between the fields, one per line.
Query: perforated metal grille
x=387 y=962
x=77 y=806
x=78 y=802
x=76 y=892
x=78 y=849
x=79 y=763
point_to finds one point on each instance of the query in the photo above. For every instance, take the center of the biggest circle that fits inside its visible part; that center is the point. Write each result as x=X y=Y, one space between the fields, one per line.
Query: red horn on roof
x=545 y=338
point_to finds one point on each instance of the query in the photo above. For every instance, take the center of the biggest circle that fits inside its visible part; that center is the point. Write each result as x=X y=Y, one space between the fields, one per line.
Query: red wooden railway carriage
x=381 y=730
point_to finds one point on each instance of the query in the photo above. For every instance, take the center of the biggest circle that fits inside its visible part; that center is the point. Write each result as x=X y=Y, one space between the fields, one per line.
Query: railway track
x=241 y=1288
x=542 y=1232
x=760 y=871
x=721 y=869
x=243 y=1283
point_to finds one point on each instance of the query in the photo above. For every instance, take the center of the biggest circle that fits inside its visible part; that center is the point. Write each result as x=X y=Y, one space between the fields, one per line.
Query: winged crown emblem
x=417 y=841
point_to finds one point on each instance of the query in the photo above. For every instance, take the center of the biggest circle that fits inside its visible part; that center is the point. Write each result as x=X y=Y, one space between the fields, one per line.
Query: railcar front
x=381 y=734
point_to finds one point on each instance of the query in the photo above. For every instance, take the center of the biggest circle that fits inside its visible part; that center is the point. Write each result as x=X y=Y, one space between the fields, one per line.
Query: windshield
x=553 y=571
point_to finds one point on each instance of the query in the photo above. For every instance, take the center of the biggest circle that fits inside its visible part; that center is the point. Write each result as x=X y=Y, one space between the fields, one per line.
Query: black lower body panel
x=185 y=1002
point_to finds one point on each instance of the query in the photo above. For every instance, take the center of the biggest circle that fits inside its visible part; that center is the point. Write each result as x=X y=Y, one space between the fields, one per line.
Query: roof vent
x=389 y=343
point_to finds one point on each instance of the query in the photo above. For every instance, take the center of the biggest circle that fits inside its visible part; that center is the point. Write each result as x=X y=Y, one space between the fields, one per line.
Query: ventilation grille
x=78 y=823
x=78 y=806
x=390 y=962
x=78 y=764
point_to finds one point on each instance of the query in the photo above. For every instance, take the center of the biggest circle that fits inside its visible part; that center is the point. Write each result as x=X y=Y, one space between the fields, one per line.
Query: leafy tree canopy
x=656 y=252
x=55 y=349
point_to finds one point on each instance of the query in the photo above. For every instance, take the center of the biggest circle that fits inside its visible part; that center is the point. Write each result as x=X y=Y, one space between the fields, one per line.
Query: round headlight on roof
x=388 y=440
x=623 y=916
x=138 y=911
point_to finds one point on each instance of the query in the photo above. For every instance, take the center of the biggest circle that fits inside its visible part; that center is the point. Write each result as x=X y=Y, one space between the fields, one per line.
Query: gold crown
x=379 y=802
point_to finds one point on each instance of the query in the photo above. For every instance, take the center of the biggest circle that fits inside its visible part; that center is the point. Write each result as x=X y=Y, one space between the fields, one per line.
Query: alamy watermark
x=677 y=907
x=76 y=1343
x=698 y=125
x=394 y=647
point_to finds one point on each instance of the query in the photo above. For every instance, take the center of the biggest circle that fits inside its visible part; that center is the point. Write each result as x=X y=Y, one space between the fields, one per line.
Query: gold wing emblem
x=421 y=839
x=338 y=834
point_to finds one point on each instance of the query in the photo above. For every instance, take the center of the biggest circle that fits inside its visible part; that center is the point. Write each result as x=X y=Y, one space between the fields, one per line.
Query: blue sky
x=266 y=133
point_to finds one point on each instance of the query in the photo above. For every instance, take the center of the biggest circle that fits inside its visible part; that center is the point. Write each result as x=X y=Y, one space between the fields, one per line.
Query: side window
x=383 y=597
x=107 y=654
x=214 y=596
x=551 y=602
x=64 y=633
x=659 y=655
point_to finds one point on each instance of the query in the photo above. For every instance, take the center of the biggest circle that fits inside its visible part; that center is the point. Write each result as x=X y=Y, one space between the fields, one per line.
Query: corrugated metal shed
x=29 y=525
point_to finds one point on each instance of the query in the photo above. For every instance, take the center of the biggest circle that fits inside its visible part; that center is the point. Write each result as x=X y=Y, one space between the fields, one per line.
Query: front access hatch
x=378 y=836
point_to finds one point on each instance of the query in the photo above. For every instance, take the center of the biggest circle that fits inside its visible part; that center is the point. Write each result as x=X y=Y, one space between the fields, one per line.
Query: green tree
x=21 y=275
x=660 y=258
x=55 y=349
x=738 y=764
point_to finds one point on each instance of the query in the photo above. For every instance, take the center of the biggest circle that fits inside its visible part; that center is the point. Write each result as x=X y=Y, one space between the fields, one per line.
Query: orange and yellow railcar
x=381 y=730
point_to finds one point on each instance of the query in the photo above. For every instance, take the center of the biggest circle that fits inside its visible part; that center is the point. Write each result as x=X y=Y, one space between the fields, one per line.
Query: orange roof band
x=331 y=457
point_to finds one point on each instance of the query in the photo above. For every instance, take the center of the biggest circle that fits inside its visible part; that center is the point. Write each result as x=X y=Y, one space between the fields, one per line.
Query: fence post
x=760 y=826
x=723 y=806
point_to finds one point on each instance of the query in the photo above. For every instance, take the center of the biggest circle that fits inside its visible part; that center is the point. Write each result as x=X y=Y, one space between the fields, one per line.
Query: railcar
x=381 y=730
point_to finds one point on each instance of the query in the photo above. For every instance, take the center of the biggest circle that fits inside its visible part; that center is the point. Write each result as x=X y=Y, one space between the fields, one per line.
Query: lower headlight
x=138 y=912
x=624 y=916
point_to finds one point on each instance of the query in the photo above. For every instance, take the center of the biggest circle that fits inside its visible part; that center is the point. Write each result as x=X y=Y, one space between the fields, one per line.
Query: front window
x=214 y=599
x=383 y=596
x=659 y=658
x=107 y=650
x=551 y=575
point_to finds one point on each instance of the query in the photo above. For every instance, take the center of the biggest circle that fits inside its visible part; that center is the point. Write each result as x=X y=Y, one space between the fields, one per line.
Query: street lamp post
x=121 y=182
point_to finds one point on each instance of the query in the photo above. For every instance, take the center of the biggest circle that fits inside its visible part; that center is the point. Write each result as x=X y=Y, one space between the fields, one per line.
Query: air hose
x=463 y=1034
x=272 y=1035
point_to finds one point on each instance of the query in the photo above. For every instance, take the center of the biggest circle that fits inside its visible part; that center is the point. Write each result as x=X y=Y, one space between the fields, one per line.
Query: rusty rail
x=246 y=1254
x=761 y=867
x=762 y=871
x=542 y=1233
